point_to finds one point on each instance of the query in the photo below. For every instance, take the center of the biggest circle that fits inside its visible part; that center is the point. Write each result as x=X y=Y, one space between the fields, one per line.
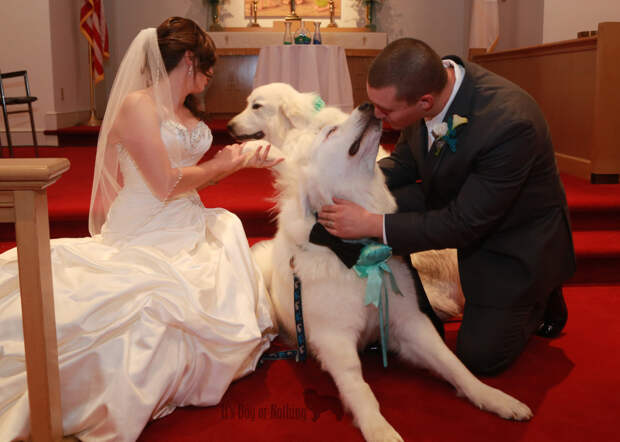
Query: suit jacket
x=498 y=199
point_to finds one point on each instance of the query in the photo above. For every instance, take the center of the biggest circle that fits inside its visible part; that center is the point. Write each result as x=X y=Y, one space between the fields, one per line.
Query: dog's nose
x=367 y=107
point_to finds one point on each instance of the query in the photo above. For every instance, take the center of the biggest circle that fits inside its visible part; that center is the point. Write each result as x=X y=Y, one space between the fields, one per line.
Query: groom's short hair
x=411 y=66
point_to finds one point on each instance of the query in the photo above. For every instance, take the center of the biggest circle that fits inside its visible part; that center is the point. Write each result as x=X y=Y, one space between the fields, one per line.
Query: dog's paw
x=380 y=431
x=504 y=405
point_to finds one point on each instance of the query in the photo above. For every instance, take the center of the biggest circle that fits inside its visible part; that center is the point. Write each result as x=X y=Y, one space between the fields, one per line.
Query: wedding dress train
x=164 y=308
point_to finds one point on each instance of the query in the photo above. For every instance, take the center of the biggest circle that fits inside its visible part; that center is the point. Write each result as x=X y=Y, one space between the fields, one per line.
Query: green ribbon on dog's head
x=318 y=103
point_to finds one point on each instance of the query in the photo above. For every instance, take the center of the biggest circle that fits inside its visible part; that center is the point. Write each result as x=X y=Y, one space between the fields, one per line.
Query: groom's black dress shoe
x=556 y=315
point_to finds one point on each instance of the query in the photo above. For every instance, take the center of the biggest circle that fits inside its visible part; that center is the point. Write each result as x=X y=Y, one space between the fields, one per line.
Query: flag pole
x=92 y=121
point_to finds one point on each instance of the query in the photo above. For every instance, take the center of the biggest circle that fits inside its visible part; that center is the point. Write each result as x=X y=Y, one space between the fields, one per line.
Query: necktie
x=434 y=154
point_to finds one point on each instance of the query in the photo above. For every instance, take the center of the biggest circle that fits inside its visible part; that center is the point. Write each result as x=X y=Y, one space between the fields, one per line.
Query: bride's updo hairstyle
x=177 y=35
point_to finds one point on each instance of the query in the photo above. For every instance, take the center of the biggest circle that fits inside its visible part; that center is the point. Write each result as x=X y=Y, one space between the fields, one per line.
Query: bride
x=163 y=305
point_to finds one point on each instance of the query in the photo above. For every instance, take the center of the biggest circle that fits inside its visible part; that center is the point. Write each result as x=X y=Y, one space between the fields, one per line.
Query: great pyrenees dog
x=276 y=113
x=339 y=160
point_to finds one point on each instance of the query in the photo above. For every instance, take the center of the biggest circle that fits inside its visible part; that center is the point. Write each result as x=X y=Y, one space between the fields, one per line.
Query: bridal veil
x=142 y=67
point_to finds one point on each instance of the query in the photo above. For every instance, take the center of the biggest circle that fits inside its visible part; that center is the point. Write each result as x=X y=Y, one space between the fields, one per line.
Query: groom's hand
x=348 y=220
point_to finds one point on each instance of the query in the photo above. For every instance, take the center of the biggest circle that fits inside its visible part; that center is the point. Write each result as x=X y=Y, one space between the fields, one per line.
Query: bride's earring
x=190 y=71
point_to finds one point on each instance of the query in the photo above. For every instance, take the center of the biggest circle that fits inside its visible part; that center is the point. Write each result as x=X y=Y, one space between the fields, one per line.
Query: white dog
x=340 y=161
x=276 y=113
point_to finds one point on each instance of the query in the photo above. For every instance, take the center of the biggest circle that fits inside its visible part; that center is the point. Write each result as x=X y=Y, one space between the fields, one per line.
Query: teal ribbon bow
x=372 y=264
x=318 y=103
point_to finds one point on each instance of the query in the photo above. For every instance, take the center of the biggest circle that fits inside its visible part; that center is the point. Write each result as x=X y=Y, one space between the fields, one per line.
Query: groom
x=474 y=169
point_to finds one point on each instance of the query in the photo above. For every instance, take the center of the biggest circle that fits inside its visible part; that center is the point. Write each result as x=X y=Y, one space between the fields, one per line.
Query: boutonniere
x=445 y=132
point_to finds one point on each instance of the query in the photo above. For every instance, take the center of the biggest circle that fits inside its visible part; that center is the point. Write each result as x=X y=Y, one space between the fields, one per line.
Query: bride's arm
x=250 y=154
x=138 y=128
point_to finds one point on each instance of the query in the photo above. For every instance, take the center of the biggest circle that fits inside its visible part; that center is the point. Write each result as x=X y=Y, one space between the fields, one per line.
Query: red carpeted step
x=83 y=135
x=247 y=194
x=595 y=209
x=68 y=199
x=598 y=256
x=6 y=245
x=592 y=206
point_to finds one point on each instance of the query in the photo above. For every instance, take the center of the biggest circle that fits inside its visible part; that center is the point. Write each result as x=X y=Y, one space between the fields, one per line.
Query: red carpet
x=571 y=383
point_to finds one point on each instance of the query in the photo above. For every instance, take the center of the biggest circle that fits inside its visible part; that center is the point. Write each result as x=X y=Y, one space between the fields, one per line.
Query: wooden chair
x=23 y=201
x=20 y=100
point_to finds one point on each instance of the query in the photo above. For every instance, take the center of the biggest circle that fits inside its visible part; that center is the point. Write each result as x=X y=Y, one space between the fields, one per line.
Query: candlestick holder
x=215 y=15
x=369 y=13
x=292 y=14
x=254 y=15
x=332 y=11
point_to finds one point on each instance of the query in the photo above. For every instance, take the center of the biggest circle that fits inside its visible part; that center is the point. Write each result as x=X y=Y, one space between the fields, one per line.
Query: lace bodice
x=195 y=143
x=137 y=210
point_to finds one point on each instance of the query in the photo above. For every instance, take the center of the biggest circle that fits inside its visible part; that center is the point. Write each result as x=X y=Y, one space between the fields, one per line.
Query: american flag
x=93 y=26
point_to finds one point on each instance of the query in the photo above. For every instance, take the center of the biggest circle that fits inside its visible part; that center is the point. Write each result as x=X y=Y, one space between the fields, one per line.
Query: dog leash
x=300 y=354
x=372 y=265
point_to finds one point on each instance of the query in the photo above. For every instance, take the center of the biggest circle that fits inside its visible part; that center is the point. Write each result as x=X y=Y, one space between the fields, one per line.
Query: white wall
x=24 y=34
x=127 y=17
x=440 y=23
x=70 y=70
x=564 y=18
x=520 y=23
x=43 y=37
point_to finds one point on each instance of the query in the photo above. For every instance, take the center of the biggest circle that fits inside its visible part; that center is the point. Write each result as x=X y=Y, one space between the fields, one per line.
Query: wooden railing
x=23 y=201
x=577 y=84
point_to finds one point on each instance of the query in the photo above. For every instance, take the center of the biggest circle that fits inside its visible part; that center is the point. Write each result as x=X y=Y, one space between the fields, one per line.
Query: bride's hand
x=231 y=157
x=260 y=158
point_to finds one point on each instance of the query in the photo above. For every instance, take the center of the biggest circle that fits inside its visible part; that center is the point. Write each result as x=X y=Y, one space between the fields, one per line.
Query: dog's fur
x=276 y=113
x=318 y=167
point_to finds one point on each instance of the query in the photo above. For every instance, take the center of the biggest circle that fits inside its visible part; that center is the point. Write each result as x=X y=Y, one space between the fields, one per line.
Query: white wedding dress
x=163 y=309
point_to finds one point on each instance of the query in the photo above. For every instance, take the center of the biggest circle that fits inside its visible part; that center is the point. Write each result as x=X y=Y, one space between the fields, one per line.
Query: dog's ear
x=328 y=116
x=298 y=108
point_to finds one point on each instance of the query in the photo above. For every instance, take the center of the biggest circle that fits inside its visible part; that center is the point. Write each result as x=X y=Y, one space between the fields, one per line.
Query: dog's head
x=342 y=162
x=274 y=110
x=352 y=144
x=338 y=160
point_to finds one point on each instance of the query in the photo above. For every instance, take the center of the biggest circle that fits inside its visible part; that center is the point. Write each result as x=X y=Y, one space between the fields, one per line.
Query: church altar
x=227 y=42
x=238 y=49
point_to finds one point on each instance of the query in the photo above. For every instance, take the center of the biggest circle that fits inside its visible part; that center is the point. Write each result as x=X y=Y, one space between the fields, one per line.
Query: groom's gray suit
x=498 y=199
